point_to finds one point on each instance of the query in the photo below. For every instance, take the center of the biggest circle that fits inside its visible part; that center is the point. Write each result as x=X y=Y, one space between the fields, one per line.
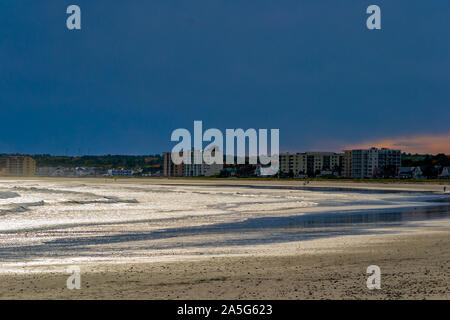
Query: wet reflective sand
x=55 y=222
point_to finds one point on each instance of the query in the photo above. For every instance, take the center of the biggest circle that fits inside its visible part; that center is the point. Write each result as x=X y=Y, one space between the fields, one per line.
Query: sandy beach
x=413 y=267
x=189 y=257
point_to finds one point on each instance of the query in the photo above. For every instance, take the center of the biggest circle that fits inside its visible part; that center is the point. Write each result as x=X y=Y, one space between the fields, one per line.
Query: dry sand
x=354 y=184
x=413 y=266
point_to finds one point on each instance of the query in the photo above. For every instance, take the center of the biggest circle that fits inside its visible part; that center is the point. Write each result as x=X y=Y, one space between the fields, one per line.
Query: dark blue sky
x=140 y=69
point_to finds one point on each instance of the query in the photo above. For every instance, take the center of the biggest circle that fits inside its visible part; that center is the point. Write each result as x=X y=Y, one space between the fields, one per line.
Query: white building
x=120 y=172
x=445 y=174
x=202 y=163
x=85 y=171
x=410 y=173
x=365 y=163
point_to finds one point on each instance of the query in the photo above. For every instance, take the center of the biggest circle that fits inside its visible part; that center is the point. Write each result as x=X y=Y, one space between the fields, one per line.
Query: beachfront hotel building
x=347 y=168
x=17 y=166
x=200 y=164
x=293 y=163
x=169 y=168
x=366 y=163
x=357 y=163
x=310 y=163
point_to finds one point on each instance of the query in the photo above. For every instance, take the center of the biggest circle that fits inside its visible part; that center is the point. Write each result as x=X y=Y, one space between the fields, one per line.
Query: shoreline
x=406 y=185
x=414 y=259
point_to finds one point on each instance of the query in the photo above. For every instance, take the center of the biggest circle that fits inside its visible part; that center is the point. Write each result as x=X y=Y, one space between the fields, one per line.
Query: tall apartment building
x=347 y=168
x=323 y=161
x=200 y=164
x=365 y=163
x=169 y=168
x=17 y=166
x=310 y=163
x=295 y=163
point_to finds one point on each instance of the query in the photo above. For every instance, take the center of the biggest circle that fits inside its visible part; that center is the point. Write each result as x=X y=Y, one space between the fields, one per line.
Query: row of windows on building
x=17 y=166
x=196 y=168
x=358 y=163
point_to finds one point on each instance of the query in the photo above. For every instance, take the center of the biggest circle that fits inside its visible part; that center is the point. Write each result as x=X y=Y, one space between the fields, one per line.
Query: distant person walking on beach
x=445 y=188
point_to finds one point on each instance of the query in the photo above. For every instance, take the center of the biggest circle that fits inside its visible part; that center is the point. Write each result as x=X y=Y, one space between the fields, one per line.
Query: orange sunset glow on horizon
x=422 y=144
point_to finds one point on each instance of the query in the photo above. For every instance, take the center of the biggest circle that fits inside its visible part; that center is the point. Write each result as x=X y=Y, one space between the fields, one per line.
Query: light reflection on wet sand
x=51 y=222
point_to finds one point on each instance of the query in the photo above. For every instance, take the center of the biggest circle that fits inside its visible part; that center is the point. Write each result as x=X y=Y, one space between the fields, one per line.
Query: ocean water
x=63 y=221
